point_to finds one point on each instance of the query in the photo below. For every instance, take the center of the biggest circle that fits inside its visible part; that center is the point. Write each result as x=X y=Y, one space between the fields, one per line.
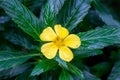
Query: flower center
x=59 y=42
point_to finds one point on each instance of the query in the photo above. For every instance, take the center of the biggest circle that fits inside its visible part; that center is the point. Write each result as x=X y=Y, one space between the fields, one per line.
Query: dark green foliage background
x=96 y=22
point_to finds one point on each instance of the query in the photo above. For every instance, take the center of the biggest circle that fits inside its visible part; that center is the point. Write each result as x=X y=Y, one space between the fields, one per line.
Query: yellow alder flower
x=59 y=41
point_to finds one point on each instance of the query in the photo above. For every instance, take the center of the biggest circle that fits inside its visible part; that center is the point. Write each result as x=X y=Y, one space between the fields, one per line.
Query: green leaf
x=115 y=73
x=69 y=67
x=4 y=19
x=24 y=76
x=56 y=5
x=73 y=12
x=89 y=76
x=76 y=71
x=19 y=39
x=105 y=14
x=65 y=76
x=43 y=66
x=61 y=63
x=50 y=11
x=48 y=15
x=14 y=71
x=99 y=38
x=12 y=59
x=83 y=53
x=23 y=17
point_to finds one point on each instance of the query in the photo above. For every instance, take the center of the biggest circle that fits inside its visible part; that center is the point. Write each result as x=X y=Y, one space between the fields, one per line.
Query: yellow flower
x=59 y=40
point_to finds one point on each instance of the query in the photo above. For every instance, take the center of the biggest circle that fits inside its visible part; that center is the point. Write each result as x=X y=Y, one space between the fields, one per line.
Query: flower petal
x=72 y=41
x=48 y=34
x=61 y=31
x=49 y=50
x=65 y=54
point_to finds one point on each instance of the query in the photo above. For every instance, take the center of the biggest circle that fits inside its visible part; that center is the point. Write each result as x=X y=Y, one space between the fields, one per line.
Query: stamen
x=59 y=42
